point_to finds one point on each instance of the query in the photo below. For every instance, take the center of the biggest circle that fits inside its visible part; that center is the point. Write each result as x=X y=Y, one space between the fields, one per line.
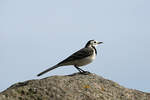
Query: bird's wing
x=82 y=53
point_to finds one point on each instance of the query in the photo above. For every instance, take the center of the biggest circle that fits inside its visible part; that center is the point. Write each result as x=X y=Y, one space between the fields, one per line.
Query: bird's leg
x=80 y=70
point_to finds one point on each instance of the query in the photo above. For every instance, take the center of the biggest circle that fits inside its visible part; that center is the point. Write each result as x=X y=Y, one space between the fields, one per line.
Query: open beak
x=100 y=42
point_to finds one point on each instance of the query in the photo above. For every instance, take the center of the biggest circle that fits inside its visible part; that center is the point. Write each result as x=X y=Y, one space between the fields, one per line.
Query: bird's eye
x=94 y=41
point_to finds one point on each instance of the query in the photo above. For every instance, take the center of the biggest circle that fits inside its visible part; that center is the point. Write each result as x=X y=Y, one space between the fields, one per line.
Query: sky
x=37 y=34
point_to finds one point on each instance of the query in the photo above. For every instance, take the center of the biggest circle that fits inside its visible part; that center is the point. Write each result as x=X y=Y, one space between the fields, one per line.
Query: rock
x=71 y=87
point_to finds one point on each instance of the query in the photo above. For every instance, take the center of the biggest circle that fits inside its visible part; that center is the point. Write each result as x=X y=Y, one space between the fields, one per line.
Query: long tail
x=47 y=70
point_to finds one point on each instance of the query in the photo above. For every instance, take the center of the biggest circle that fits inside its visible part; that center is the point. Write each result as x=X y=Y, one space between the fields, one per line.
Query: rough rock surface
x=71 y=87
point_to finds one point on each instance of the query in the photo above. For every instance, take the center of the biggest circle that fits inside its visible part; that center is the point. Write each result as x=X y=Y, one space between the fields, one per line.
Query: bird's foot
x=85 y=72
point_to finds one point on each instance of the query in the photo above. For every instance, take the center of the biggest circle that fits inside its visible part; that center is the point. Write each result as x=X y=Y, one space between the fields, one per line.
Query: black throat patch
x=94 y=50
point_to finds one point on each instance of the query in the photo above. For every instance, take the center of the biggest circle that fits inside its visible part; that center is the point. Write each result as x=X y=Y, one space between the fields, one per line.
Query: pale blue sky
x=37 y=34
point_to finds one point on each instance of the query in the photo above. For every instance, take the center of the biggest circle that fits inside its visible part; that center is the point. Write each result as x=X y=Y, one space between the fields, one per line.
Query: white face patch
x=94 y=43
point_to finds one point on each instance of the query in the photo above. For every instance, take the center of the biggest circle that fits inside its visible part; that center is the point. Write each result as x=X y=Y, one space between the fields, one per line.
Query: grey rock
x=71 y=87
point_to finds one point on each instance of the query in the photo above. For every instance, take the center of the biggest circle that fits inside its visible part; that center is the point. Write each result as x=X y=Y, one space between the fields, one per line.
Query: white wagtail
x=80 y=58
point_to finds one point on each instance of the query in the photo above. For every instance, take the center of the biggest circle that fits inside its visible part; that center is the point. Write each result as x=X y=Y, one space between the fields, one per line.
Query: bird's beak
x=100 y=42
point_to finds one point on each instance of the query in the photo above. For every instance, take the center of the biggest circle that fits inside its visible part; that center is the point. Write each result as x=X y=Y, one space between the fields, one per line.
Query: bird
x=80 y=58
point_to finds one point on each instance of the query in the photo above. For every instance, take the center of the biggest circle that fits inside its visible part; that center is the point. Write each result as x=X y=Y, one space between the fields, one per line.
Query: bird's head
x=92 y=43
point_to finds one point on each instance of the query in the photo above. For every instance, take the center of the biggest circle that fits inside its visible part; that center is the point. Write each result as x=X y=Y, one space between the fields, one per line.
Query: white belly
x=85 y=61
